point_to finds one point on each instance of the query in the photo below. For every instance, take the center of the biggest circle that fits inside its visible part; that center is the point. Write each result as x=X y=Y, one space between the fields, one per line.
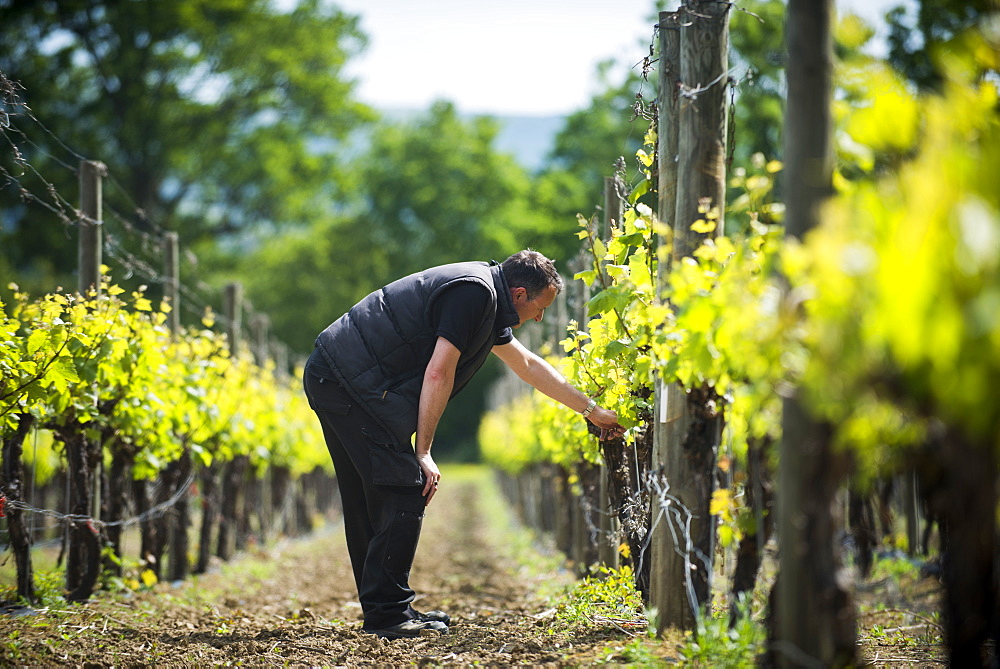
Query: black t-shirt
x=458 y=309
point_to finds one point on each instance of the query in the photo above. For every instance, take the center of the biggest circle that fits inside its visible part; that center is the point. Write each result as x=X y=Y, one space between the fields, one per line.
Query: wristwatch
x=590 y=408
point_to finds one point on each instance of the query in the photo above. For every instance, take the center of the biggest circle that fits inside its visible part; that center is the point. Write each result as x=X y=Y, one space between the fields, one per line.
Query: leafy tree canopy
x=438 y=191
x=757 y=59
x=918 y=39
x=593 y=140
x=433 y=190
x=212 y=116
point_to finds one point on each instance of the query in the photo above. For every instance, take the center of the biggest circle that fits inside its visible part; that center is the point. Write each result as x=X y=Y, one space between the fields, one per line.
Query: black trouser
x=382 y=522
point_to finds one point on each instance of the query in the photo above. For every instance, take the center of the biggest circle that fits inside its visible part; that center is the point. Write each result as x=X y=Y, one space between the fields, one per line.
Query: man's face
x=533 y=309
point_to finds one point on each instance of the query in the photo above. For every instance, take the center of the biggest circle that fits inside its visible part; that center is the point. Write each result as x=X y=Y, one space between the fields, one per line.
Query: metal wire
x=71 y=519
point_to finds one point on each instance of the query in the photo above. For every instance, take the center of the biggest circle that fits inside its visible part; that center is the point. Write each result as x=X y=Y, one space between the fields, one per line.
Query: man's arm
x=545 y=378
x=439 y=380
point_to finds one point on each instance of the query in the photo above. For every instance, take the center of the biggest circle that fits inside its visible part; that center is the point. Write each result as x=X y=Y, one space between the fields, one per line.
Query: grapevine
x=109 y=386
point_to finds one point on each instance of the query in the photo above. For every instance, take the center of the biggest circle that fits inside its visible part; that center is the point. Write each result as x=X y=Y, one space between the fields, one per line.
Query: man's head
x=533 y=282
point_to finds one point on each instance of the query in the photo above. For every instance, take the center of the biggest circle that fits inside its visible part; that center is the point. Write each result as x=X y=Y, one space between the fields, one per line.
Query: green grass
x=530 y=551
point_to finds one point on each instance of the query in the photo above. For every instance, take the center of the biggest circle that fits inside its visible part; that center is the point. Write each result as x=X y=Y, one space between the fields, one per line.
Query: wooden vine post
x=255 y=489
x=232 y=471
x=89 y=259
x=83 y=453
x=661 y=541
x=176 y=527
x=689 y=422
x=814 y=618
x=90 y=242
x=171 y=280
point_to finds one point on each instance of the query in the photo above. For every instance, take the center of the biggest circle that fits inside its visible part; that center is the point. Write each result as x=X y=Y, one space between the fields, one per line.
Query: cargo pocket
x=326 y=395
x=402 y=542
x=392 y=467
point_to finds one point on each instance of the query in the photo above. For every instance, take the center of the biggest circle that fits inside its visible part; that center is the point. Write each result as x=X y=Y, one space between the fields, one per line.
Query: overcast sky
x=531 y=57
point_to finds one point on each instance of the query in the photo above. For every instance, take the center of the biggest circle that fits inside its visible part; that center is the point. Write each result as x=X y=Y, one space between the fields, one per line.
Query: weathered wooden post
x=667 y=128
x=253 y=493
x=564 y=510
x=178 y=470
x=693 y=79
x=232 y=471
x=661 y=588
x=90 y=245
x=90 y=248
x=260 y=324
x=171 y=280
x=579 y=536
x=233 y=310
x=701 y=113
x=814 y=619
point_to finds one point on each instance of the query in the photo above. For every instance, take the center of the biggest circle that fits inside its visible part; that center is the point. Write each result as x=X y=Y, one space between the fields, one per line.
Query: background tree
x=435 y=190
x=917 y=38
x=588 y=148
x=757 y=62
x=213 y=118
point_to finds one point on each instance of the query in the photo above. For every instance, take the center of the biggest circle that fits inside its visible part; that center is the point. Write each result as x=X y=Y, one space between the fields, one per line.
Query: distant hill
x=528 y=138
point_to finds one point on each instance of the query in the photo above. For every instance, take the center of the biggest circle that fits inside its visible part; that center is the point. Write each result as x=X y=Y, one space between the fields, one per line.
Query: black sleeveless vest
x=380 y=348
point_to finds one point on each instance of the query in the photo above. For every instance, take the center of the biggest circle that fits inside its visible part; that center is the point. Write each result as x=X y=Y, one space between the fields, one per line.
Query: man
x=386 y=370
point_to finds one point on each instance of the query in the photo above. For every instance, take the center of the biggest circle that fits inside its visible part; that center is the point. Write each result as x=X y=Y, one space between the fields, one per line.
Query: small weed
x=895 y=568
x=607 y=596
x=636 y=652
x=719 y=645
x=50 y=588
x=222 y=625
x=50 y=646
x=12 y=646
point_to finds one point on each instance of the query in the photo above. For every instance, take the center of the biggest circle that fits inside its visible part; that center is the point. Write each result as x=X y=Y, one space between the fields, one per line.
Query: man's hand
x=607 y=420
x=534 y=370
x=431 y=475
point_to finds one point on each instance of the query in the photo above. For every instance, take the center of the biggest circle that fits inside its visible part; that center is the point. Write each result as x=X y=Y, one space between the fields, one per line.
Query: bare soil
x=294 y=604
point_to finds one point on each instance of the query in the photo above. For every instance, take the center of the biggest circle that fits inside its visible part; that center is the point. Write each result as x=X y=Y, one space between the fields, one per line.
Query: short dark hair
x=532 y=271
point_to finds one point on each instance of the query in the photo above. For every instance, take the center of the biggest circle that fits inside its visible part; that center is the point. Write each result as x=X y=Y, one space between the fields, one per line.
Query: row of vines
x=884 y=322
x=97 y=392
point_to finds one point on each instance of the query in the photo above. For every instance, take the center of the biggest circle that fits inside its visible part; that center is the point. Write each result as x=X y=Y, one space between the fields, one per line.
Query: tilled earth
x=294 y=604
x=298 y=606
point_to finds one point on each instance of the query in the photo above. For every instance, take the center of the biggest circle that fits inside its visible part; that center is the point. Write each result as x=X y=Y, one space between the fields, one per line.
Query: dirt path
x=295 y=604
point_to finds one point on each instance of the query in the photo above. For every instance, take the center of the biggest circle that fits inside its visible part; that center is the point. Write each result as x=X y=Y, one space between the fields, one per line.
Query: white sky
x=530 y=57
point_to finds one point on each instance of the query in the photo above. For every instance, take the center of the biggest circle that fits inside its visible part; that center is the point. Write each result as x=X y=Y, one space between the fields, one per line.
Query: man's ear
x=519 y=290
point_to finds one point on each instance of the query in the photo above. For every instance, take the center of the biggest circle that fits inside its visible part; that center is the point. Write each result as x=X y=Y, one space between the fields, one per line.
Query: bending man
x=386 y=370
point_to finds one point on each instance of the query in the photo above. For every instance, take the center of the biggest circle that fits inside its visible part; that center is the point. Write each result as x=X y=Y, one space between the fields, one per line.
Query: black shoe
x=428 y=616
x=409 y=629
